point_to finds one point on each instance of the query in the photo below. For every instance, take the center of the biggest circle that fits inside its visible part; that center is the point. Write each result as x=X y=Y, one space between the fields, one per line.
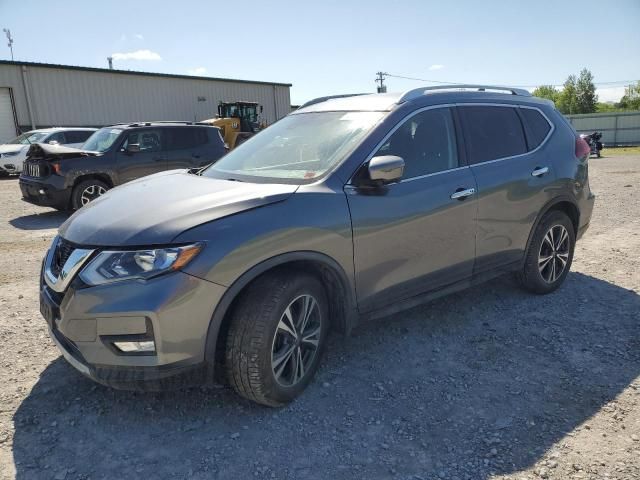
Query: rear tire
x=549 y=256
x=272 y=352
x=87 y=191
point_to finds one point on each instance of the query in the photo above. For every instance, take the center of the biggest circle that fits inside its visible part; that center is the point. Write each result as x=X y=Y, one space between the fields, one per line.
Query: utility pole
x=7 y=32
x=110 y=60
x=382 y=88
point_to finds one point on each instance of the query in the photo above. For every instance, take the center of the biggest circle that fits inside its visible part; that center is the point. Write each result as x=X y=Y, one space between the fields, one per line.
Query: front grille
x=34 y=169
x=63 y=251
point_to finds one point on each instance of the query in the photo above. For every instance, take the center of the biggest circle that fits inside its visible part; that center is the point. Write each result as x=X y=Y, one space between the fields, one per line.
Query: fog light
x=41 y=191
x=131 y=347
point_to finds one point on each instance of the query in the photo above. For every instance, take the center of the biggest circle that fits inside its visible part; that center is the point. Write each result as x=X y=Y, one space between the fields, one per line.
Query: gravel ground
x=488 y=383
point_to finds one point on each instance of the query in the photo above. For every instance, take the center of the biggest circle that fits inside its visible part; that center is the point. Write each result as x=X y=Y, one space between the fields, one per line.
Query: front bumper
x=45 y=193
x=174 y=310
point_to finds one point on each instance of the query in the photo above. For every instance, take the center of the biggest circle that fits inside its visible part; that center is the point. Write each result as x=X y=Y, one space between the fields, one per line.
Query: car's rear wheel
x=550 y=254
x=87 y=191
x=276 y=337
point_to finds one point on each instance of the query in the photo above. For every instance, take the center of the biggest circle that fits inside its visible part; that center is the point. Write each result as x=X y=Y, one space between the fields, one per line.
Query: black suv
x=68 y=178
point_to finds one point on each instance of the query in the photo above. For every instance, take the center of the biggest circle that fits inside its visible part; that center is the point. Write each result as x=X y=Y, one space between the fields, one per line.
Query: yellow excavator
x=237 y=121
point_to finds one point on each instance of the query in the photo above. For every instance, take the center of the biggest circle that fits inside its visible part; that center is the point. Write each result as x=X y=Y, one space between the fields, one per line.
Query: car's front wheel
x=276 y=337
x=550 y=253
x=87 y=191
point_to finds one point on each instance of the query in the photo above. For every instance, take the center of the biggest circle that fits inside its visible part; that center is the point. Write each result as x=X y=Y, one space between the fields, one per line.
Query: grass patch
x=615 y=152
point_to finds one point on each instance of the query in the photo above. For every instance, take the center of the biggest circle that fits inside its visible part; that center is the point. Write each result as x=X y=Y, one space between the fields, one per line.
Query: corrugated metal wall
x=618 y=128
x=66 y=97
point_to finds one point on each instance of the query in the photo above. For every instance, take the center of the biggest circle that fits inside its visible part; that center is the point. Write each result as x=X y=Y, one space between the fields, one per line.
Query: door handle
x=462 y=193
x=539 y=171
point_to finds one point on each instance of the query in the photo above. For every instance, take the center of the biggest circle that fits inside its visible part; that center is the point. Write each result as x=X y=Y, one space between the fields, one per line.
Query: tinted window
x=537 y=126
x=149 y=140
x=426 y=142
x=186 y=137
x=77 y=136
x=57 y=137
x=492 y=133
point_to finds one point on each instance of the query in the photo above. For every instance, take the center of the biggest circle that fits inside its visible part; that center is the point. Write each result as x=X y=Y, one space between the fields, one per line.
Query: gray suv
x=346 y=210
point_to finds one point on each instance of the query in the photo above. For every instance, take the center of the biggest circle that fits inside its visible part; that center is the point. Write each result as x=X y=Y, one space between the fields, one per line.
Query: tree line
x=578 y=95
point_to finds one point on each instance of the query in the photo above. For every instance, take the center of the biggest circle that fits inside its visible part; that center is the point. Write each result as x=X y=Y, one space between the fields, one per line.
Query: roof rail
x=417 y=92
x=329 y=97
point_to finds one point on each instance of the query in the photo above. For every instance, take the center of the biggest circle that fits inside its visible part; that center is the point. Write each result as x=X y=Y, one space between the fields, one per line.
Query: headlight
x=113 y=266
x=10 y=154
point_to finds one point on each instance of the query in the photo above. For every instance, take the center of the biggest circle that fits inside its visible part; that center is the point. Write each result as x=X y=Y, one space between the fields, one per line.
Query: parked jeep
x=346 y=210
x=68 y=178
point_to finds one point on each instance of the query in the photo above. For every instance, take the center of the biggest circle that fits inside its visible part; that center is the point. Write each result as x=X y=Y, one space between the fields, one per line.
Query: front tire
x=87 y=191
x=276 y=337
x=550 y=253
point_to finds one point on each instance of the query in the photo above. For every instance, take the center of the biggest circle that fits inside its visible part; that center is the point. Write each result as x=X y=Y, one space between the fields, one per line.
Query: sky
x=333 y=47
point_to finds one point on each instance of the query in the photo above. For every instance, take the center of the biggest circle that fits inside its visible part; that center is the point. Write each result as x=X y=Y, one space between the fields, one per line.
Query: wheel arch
x=333 y=277
x=564 y=204
x=104 y=177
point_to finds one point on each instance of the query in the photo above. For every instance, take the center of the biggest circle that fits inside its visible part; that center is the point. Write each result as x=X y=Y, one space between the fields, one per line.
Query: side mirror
x=133 y=148
x=386 y=169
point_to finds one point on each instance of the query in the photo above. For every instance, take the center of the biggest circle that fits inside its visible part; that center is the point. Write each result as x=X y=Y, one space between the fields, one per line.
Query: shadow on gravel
x=40 y=221
x=479 y=383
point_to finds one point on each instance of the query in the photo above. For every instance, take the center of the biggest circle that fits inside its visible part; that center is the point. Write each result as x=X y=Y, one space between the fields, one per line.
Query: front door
x=417 y=234
x=148 y=158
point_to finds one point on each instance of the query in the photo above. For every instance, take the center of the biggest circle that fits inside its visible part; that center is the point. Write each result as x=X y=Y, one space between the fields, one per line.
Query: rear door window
x=537 y=127
x=77 y=136
x=492 y=132
x=186 y=137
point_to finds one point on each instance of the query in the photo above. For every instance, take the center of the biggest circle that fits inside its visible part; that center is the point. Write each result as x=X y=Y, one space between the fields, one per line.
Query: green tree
x=568 y=99
x=586 y=98
x=547 y=91
x=631 y=99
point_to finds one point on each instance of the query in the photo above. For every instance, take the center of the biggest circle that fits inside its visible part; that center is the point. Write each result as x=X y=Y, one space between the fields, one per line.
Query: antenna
x=7 y=32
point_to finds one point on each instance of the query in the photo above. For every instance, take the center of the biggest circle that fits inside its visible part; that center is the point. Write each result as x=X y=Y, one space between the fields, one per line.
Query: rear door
x=417 y=234
x=514 y=175
x=187 y=147
x=149 y=159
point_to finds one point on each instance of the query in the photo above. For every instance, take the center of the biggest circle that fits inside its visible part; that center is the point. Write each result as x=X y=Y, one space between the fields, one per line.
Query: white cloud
x=137 y=55
x=139 y=36
x=198 y=71
x=436 y=66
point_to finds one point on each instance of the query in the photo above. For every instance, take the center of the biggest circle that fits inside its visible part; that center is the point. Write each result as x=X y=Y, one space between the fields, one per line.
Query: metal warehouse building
x=37 y=95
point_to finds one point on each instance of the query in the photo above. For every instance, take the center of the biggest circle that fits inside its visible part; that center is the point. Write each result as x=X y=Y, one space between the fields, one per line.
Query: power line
x=441 y=82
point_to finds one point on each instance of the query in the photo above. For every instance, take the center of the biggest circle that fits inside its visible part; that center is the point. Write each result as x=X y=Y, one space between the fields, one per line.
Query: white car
x=13 y=153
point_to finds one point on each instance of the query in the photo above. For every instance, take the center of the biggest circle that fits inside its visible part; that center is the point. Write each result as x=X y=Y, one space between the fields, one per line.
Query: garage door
x=7 y=124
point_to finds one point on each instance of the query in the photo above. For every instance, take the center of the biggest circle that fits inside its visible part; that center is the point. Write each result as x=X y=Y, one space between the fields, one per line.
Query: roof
x=134 y=72
x=388 y=101
x=66 y=129
x=176 y=123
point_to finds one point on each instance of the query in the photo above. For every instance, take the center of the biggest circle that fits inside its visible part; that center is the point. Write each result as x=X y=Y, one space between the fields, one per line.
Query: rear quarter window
x=537 y=127
x=492 y=132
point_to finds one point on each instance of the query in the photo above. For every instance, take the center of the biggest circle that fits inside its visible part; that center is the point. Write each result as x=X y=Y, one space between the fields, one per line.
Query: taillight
x=582 y=148
x=56 y=168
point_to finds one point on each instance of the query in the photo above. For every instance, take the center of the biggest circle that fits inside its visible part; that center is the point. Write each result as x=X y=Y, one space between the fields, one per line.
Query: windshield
x=297 y=149
x=102 y=140
x=28 y=138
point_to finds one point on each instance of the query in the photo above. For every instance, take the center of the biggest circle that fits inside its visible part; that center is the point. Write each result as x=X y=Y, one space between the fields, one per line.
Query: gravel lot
x=488 y=383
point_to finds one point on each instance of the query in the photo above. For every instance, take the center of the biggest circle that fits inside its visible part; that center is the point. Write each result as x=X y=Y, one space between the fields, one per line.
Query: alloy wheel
x=554 y=253
x=296 y=341
x=91 y=193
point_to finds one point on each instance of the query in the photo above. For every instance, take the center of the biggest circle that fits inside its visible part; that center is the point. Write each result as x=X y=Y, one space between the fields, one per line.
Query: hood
x=44 y=150
x=155 y=209
x=12 y=147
